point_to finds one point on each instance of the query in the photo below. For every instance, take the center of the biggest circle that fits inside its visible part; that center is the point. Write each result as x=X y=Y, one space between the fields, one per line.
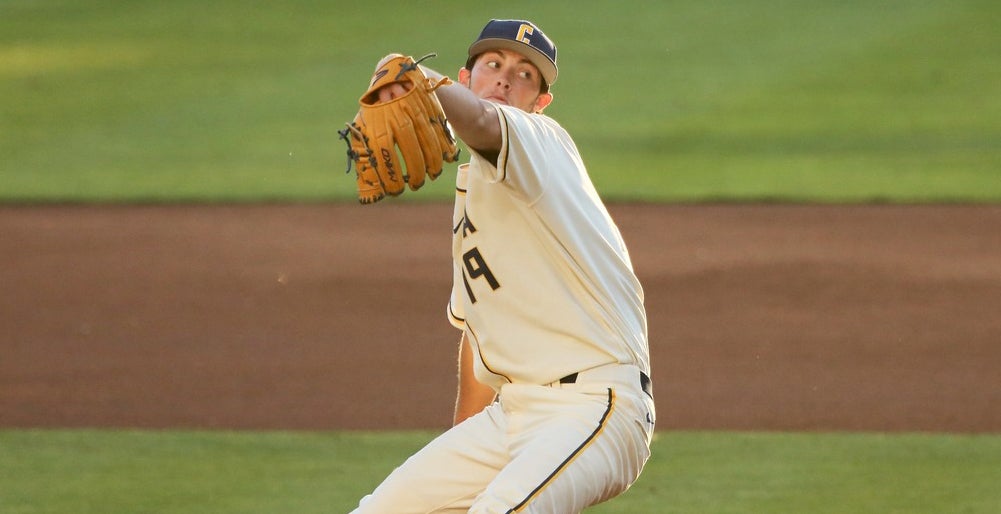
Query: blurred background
x=895 y=100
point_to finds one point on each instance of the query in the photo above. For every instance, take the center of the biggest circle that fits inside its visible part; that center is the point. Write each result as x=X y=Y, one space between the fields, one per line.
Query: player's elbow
x=481 y=132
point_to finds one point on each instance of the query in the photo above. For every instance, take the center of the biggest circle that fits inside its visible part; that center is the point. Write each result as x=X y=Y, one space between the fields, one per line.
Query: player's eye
x=525 y=74
x=493 y=64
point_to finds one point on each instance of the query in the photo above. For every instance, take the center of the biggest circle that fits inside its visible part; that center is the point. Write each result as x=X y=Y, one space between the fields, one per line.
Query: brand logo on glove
x=387 y=158
x=378 y=76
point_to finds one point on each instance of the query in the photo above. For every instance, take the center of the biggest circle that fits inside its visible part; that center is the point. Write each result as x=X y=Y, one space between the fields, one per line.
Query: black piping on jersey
x=505 y=151
x=455 y=230
x=453 y=315
x=602 y=423
x=472 y=335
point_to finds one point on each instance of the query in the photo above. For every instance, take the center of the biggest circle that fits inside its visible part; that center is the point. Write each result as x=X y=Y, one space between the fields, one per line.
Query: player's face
x=508 y=78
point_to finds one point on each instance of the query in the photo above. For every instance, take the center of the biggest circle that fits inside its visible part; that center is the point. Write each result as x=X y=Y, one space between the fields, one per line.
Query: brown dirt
x=778 y=317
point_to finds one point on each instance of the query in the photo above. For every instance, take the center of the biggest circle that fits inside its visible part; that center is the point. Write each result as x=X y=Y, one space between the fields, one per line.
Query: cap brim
x=541 y=61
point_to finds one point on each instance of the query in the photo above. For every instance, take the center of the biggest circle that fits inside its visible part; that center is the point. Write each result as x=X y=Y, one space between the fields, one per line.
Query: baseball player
x=555 y=409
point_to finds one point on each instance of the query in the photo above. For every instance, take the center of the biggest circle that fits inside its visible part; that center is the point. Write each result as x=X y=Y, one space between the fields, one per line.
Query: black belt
x=645 y=384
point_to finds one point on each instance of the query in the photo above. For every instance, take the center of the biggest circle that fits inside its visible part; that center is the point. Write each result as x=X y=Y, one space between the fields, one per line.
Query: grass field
x=111 y=472
x=768 y=99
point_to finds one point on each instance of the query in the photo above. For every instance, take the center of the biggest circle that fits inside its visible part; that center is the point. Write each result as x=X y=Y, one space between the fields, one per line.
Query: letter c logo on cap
x=522 y=31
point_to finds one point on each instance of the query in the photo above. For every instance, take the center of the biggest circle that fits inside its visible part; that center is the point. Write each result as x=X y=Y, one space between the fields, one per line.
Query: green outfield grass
x=112 y=472
x=681 y=101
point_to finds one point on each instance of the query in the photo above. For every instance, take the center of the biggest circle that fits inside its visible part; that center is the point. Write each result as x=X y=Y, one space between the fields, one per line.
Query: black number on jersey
x=476 y=268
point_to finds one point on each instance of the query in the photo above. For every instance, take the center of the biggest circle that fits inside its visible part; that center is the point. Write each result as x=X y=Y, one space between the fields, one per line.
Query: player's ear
x=543 y=101
x=464 y=76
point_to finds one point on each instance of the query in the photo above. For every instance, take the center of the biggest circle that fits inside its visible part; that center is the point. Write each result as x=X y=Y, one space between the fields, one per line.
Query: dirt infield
x=332 y=316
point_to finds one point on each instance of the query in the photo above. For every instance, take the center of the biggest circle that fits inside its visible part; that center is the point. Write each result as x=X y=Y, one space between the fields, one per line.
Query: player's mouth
x=497 y=99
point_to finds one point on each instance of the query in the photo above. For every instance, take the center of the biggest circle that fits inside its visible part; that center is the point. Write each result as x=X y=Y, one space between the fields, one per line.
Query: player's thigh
x=592 y=451
x=605 y=468
x=447 y=474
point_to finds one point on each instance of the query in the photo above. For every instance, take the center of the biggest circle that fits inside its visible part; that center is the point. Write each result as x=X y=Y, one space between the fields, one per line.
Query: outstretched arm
x=476 y=122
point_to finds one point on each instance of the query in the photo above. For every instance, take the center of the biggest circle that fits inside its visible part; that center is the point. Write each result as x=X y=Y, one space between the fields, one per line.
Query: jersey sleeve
x=530 y=146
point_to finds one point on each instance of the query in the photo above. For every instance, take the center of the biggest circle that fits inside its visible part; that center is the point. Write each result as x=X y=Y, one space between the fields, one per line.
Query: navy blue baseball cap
x=520 y=36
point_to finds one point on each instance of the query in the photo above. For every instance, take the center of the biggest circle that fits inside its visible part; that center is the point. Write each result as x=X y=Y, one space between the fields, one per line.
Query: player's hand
x=391 y=91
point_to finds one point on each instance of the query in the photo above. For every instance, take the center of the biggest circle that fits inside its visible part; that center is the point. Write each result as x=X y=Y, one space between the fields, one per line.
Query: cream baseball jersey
x=543 y=284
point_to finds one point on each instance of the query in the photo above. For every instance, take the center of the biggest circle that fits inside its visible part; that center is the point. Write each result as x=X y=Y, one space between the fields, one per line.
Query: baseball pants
x=551 y=449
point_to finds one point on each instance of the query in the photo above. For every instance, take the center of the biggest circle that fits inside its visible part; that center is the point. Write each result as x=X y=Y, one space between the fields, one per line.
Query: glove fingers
x=388 y=165
x=436 y=115
x=427 y=145
x=413 y=154
x=383 y=148
x=429 y=118
x=370 y=188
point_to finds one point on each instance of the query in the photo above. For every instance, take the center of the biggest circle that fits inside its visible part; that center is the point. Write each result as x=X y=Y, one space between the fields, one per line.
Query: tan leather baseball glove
x=413 y=123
